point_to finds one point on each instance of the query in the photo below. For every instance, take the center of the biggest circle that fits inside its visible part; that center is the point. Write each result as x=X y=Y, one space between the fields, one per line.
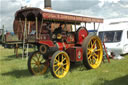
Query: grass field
x=13 y=71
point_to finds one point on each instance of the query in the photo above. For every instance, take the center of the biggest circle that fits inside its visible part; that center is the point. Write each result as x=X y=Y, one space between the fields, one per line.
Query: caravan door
x=125 y=46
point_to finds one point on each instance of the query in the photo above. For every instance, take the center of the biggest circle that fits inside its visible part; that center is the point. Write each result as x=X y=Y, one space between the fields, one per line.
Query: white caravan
x=115 y=37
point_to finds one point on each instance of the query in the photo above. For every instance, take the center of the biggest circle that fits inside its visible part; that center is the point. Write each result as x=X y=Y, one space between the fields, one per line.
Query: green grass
x=13 y=71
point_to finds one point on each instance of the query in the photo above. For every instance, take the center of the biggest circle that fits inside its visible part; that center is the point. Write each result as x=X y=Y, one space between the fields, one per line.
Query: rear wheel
x=37 y=65
x=60 y=64
x=93 y=51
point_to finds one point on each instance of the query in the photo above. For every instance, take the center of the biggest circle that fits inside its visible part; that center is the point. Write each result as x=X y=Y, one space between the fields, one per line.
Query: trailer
x=1 y=36
x=9 y=39
x=58 y=43
x=115 y=37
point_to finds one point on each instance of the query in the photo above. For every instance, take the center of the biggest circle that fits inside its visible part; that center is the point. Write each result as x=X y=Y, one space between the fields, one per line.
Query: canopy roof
x=31 y=13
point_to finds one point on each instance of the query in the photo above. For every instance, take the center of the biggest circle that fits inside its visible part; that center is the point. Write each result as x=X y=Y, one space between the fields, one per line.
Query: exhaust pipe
x=47 y=4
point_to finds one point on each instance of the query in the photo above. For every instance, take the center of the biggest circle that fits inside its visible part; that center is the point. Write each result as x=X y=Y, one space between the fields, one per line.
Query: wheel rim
x=94 y=52
x=38 y=64
x=61 y=65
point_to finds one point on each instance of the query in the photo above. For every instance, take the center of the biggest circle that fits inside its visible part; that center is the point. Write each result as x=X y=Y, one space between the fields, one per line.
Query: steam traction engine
x=56 y=49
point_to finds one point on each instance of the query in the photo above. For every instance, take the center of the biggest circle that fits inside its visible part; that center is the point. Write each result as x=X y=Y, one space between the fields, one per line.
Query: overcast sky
x=107 y=9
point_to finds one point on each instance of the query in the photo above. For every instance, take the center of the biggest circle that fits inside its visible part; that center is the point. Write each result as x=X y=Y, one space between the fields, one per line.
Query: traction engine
x=57 y=47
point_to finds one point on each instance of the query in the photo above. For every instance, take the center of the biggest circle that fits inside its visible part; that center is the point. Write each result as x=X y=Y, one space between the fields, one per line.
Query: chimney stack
x=47 y=4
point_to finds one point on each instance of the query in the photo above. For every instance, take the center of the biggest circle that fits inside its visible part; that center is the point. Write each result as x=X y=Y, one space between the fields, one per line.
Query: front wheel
x=93 y=51
x=60 y=64
x=37 y=65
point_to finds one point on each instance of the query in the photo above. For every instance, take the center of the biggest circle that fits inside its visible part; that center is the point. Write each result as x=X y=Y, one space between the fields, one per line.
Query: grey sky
x=99 y=8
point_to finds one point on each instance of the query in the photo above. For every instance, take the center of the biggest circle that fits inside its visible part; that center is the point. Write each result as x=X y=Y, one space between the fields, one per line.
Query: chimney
x=47 y=4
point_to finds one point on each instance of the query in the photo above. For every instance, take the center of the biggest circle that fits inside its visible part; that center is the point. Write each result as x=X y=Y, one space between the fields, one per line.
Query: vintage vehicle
x=58 y=43
x=8 y=39
x=1 y=35
x=115 y=37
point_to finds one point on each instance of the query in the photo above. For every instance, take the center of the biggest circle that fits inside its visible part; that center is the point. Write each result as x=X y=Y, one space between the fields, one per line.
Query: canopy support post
x=98 y=27
x=24 y=37
x=21 y=36
x=94 y=27
x=75 y=26
x=36 y=27
x=85 y=25
x=29 y=25
x=40 y=29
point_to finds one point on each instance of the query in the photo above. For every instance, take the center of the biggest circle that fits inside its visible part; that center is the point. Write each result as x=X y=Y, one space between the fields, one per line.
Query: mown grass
x=13 y=71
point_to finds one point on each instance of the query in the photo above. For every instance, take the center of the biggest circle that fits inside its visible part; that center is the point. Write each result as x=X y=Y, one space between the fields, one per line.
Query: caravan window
x=127 y=34
x=101 y=36
x=110 y=36
x=117 y=36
